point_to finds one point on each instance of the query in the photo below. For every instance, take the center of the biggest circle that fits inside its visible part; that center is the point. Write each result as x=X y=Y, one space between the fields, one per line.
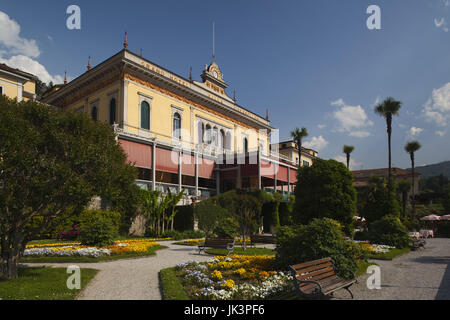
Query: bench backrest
x=218 y=242
x=317 y=270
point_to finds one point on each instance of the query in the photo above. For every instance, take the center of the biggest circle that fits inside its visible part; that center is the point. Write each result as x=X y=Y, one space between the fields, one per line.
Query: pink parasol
x=446 y=217
x=432 y=217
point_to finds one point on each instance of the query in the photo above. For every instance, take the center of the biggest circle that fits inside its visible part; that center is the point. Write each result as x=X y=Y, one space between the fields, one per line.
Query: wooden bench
x=217 y=243
x=259 y=238
x=318 y=278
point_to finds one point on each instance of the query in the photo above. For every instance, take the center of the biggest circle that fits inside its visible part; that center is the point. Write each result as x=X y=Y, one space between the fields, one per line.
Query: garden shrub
x=184 y=219
x=285 y=213
x=99 y=232
x=379 y=204
x=361 y=236
x=390 y=231
x=85 y=219
x=443 y=229
x=321 y=238
x=325 y=190
x=210 y=215
x=227 y=228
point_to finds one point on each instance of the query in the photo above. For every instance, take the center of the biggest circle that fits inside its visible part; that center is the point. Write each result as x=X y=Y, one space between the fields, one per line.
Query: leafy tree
x=325 y=190
x=298 y=135
x=210 y=215
x=411 y=148
x=347 y=150
x=379 y=202
x=172 y=207
x=51 y=165
x=387 y=109
x=403 y=188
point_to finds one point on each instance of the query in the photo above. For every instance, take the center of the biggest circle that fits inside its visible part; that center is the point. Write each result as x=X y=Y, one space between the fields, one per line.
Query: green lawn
x=42 y=283
x=171 y=285
x=240 y=251
x=46 y=259
x=389 y=255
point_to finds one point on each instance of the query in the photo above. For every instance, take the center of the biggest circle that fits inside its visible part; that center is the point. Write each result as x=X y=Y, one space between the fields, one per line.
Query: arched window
x=245 y=145
x=208 y=134
x=201 y=132
x=222 y=143
x=215 y=136
x=227 y=142
x=176 y=125
x=145 y=115
x=112 y=111
x=94 y=113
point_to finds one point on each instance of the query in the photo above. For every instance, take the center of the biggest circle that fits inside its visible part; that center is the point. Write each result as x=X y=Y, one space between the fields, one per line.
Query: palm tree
x=347 y=150
x=411 y=148
x=297 y=135
x=387 y=109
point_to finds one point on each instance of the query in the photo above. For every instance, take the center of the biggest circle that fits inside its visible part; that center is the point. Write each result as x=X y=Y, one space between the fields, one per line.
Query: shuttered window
x=145 y=115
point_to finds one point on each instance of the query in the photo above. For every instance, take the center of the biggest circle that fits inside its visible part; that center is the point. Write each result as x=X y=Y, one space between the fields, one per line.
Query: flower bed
x=234 y=277
x=76 y=249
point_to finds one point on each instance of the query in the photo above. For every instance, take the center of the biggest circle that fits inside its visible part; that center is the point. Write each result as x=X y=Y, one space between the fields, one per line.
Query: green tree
x=347 y=150
x=298 y=135
x=411 y=148
x=174 y=198
x=379 y=202
x=51 y=165
x=387 y=109
x=403 y=188
x=210 y=215
x=325 y=190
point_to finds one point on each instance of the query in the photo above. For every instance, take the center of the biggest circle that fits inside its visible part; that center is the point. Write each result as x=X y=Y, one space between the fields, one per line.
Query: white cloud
x=413 y=132
x=18 y=52
x=32 y=66
x=359 y=134
x=441 y=133
x=321 y=126
x=316 y=143
x=11 y=39
x=437 y=108
x=352 y=120
x=441 y=24
x=339 y=102
x=354 y=165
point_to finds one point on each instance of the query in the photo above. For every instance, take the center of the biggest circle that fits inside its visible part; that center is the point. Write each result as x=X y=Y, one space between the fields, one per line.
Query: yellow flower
x=216 y=275
x=228 y=284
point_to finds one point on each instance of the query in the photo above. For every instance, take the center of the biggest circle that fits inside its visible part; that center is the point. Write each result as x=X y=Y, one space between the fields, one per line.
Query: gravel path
x=418 y=275
x=132 y=279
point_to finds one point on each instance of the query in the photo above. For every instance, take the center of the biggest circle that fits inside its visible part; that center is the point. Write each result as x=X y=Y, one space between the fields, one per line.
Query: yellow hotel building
x=180 y=133
x=17 y=84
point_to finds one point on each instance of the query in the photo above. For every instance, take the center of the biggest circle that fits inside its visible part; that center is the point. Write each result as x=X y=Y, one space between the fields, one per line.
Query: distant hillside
x=435 y=169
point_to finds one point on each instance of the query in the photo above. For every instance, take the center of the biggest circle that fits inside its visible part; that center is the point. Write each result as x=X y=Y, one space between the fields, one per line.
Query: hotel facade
x=179 y=133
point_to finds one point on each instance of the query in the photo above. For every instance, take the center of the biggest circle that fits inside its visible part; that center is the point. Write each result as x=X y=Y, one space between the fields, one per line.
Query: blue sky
x=313 y=64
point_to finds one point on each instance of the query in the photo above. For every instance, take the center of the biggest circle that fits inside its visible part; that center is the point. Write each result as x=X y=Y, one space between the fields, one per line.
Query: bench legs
x=348 y=289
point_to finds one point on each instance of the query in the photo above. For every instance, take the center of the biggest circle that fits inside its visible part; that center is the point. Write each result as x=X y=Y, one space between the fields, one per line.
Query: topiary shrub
x=227 y=228
x=319 y=239
x=100 y=233
x=325 y=190
x=390 y=231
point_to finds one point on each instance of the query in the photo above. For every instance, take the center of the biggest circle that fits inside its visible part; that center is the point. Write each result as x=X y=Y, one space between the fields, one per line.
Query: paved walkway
x=418 y=275
x=133 y=279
